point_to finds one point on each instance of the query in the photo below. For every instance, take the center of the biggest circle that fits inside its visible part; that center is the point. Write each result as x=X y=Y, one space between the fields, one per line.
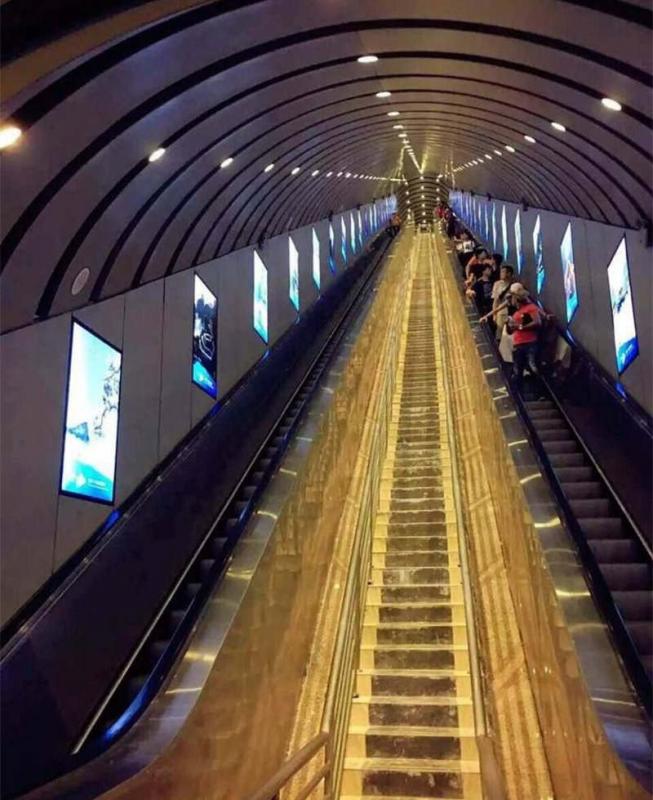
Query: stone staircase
x=411 y=731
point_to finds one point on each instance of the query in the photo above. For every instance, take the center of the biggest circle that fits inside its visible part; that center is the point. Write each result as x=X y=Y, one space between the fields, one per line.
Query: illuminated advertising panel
x=343 y=241
x=494 y=227
x=360 y=229
x=91 y=428
x=332 y=249
x=293 y=274
x=539 y=254
x=569 y=273
x=260 y=298
x=205 y=338
x=487 y=224
x=504 y=233
x=626 y=346
x=352 y=232
x=316 y=259
x=518 y=245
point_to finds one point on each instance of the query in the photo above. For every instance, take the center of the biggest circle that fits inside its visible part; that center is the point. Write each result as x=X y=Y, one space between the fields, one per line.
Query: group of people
x=502 y=302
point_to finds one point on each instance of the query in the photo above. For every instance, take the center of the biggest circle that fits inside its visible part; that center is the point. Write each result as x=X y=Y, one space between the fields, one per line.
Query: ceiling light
x=294 y=171
x=397 y=127
x=226 y=162
x=558 y=126
x=613 y=105
x=269 y=168
x=315 y=172
x=329 y=174
x=355 y=176
x=489 y=158
x=156 y=155
x=529 y=139
x=9 y=135
x=367 y=59
x=383 y=94
x=393 y=113
x=498 y=152
x=347 y=174
x=510 y=149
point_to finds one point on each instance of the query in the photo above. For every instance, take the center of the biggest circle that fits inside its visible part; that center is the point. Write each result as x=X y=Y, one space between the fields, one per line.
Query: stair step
x=601 y=528
x=627 y=577
x=642 y=635
x=558 y=448
x=583 y=490
x=548 y=435
x=391 y=683
x=636 y=606
x=615 y=551
x=569 y=474
x=594 y=507
x=566 y=459
x=414 y=778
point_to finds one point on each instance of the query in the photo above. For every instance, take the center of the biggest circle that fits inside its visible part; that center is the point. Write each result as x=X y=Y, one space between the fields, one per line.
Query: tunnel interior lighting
x=269 y=168
x=367 y=59
x=613 y=105
x=155 y=155
x=9 y=135
x=558 y=126
x=226 y=162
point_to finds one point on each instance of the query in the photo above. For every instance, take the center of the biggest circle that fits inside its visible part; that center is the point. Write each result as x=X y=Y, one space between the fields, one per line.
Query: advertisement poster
x=487 y=224
x=504 y=233
x=494 y=227
x=293 y=273
x=343 y=242
x=91 y=429
x=623 y=316
x=352 y=232
x=539 y=254
x=316 y=259
x=569 y=273
x=205 y=338
x=518 y=244
x=360 y=229
x=332 y=249
x=260 y=298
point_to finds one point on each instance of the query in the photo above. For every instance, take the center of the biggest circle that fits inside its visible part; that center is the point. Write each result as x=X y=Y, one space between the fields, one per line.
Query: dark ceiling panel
x=266 y=81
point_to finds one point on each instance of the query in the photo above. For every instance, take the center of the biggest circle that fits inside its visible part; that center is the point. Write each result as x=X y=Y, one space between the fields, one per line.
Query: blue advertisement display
x=293 y=273
x=504 y=233
x=360 y=229
x=352 y=233
x=332 y=249
x=487 y=224
x=494 y=227
x=343 y=242
x=569 y=273
x=479 y=212
x=91 y=429
x=626 y=346
x=539 y=254
x=205 y=338
x=518 y=245
x=316 y=259
x=260 y=298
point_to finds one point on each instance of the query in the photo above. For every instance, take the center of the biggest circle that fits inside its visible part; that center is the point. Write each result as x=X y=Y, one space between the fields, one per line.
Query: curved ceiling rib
x=258 y=84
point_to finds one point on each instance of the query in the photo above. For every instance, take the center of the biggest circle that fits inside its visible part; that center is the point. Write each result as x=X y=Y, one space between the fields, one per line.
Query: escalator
x=617 y=555
x=133 y=597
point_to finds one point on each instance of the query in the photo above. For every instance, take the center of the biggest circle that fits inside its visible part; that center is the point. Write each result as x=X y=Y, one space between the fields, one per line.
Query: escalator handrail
x=166 y=661
x=602 y=593
x=606 y=481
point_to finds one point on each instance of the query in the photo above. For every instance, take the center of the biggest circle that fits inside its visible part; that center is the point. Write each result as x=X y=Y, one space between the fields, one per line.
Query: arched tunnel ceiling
x=278 y=81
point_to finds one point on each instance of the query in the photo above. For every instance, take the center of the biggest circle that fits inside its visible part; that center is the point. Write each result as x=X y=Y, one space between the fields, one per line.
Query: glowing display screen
x=205 y=338
x=293 y=273
x=504 y=233
x=316 y=259
x=260 y=298
x=518 y=244
x=539 y=254
x=569 y=273
x=623 y=316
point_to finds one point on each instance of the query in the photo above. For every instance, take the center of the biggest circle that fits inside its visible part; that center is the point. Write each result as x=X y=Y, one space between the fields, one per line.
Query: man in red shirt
x=524 y=325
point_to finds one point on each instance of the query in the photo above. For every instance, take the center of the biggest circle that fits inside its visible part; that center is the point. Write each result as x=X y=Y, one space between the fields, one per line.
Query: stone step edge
x=416 y=604
x=412 y=730
x=412 y=625
x=410 y=765
x=411 y=672
x=409 y=700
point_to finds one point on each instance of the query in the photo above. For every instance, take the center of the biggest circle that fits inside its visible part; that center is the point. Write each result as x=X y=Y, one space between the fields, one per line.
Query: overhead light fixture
x=269 y=168
x=393 y=113
x=498 y=152
x=489 y=158
x=156 y=154
x=315 y=172
x=347 y=174
x=329 y=174
x=226 y=162
x=369 y=59
x=558 y=126
x=510 y=149
x=339 y=175
x=294 y=171
x=613 y=105
x=529 y=139
x=383 y=94
x=9 y=134
x=397 y=127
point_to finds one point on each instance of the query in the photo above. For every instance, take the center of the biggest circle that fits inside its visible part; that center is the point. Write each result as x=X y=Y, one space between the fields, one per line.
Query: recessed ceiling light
x=315 y=172
x=156 y=154
x=498 y=152
x=370 y=59
x=339 y=175
x=393 y=113
x=397 y=127
x=329 y=174
x=354 y=176
x=294 y=171
x=613 y=105
x=347 y=174
x=489 y=158
x=510 y=149
x=9 y=135
x=226 y=162
x=558 y=126
x=383 y=94
x=269 y=168
x=529 y=139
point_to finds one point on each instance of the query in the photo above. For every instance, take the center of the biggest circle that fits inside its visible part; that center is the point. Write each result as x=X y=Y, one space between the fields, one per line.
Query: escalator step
x=543 y=414
x=582 y=490
x=627 y=577
x=548 y=424
x=615 y=551
x=284 y=429
x=158 y=648
x=240 y=506
x=191 y=589
x=594 y=507
x=634 y=606
x=175 y=617
x=555 y=435
x=556 y=448
x=603 y=528
x=247 y=491
x=642 y=635
x=569 y=474
x=231 y=525
x=257 y=476
x=566 y=459
x=278 y=441
x=539 y=404
x=270 y=452
x=216 y=545
x=205 y=566
x=135 y=684
x=647 y=662
x=264 y=463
